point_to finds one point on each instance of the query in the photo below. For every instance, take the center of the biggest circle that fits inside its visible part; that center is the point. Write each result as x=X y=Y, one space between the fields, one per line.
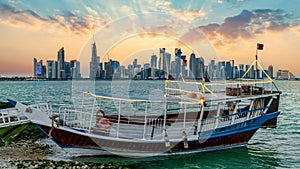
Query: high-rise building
x=111 y=68
x=75 y=69
x=39 y=68
x=34 y=66
x=241 y=70
x=135 y=63
x=161 y=58
x=252 y=73
x=236 y=72
x=130 y=71
x=192 y=66
x=229 y=67
x=212 y=70
x=221 y=70
x=61 y=64
x=270 y=71
x=68 y=74
x=178 y=61
x=51 y=69
x=94 y=63
x=199 y=68
x=153 y=61
x=167 y=62
x=264 y=75
x=248 y=73
x=123 y=72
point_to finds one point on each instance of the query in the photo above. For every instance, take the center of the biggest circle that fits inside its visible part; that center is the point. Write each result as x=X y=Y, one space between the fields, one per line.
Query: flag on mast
x=260 y=46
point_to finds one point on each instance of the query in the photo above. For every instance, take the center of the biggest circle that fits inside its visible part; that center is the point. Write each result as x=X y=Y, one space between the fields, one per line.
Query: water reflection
x=232 y=158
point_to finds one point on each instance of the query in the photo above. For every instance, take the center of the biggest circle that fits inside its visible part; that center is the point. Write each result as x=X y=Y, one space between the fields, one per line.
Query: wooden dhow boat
x=191 y=117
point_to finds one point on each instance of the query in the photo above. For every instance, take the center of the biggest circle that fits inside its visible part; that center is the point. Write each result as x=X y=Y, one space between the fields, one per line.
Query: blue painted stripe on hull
x=258 y=121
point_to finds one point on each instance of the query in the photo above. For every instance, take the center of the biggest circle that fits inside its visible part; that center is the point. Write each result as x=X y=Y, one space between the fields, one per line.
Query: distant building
x=252 y=73
x=135 y=63
x=94 y=63
x=229 y=69
x=221 y=70
x=51 y=69
x=248 y=73
x=34 y=66
x=192 y=66
x=167 y=62
x=263 y=75
x=241 y=70
x=75 y=69
x=61 y=64
x=200 y=68
x=285 y=75
x=153 y=61
x=270 y=71
x=112 y=69
x=39 y=68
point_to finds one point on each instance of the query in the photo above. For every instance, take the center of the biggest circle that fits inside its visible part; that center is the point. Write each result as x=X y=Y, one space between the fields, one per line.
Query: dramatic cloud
x=248 y=24
x=67 y=20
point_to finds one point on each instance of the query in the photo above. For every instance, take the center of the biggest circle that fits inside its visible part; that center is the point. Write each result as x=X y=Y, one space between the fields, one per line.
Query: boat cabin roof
x=174 y=99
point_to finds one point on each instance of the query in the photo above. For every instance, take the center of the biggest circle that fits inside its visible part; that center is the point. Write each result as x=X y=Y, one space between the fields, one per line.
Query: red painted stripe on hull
x=69 y=139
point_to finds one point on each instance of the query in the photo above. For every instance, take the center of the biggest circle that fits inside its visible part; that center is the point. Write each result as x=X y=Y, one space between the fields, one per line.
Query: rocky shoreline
x=27 y=153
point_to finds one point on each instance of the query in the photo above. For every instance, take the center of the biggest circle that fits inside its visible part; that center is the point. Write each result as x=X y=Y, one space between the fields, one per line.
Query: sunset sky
x=128 y=29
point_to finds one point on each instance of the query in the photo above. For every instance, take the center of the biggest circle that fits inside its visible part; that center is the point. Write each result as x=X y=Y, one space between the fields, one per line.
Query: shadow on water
x=232 y=158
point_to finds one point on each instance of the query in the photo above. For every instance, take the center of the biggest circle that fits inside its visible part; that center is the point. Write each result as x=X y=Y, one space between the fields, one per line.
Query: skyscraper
x=75 y=69
x=221 y=69
x=248 y=73
x=51 y=69
x=200 y=68
x=94 y=63
x=229 y=69
x=178 y=61
x=39 y=68
x=167 y=62
x=161 y=58
x=212 y=69
x=270 y=71
x=241 y=70
x=192 y=66
x=34 y=66
x=153 y=61
x=61 y=64
x=111 y=67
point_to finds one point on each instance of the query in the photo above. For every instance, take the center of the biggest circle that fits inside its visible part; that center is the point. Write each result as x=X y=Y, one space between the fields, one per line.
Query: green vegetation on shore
x=19 y=132
x=4 y=105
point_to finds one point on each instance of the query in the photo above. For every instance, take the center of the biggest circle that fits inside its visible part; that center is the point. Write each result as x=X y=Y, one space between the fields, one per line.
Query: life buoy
x=100 y=111
x=104 y=126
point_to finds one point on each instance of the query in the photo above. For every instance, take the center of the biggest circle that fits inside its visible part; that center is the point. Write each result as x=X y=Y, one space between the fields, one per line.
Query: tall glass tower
x=94 y=63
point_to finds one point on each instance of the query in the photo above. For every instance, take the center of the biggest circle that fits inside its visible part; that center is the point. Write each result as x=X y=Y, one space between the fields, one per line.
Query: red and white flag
x=260 y=46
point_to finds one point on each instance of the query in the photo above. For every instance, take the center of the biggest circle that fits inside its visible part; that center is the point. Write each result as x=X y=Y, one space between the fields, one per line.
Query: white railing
x=210 y=123
x=11 y=117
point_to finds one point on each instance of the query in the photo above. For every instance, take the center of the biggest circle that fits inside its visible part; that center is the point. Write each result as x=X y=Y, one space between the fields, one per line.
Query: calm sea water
x=269 y=148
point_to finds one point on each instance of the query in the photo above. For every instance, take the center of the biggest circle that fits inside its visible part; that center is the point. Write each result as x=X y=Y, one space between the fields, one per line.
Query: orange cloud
x=66 y=22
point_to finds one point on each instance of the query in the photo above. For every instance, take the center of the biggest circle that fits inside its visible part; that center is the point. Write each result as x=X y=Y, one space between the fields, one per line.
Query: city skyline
x=232 y=29
x=166 y=68
x=191 y=67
